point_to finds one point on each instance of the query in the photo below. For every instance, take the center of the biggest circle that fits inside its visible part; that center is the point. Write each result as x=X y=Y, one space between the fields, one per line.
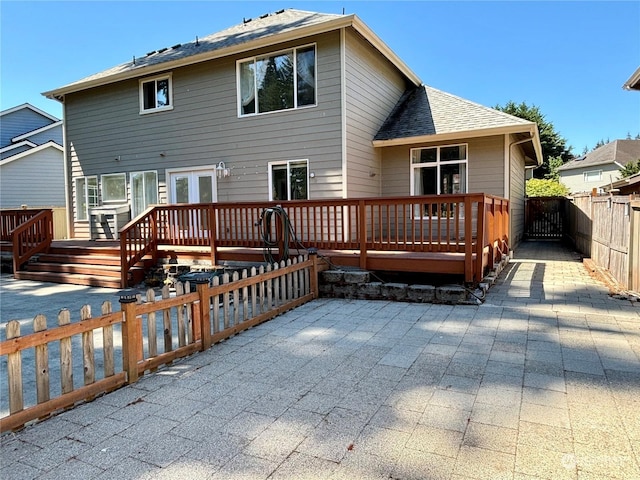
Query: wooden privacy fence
x=607 y=229
x=146 y=335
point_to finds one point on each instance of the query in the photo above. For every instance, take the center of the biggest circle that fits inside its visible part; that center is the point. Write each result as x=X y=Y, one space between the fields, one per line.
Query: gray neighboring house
x=290 y=105
x=599 y=167
x=31 y=158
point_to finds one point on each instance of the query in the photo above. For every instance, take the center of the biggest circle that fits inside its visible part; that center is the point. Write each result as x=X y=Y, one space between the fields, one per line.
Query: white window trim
x=295 y=81
x=85 y=193
x=142 y=81
x=143 y=172
x=586 y=174
x=437 y=164
x=102 y=189
x=270 y=166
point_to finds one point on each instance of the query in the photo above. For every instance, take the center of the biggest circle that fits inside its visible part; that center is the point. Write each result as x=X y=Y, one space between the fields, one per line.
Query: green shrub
x=537 y=187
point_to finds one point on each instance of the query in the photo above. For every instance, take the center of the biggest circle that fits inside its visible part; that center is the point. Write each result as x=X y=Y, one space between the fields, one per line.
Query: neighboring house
x=31 y=158
x=292 y=105
x=634 y=81
x=599 y=167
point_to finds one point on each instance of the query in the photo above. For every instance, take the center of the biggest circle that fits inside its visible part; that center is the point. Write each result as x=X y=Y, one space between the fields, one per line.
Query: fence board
x=107 y=343
x=66 y=358
x=42 y=362
x=14 y=370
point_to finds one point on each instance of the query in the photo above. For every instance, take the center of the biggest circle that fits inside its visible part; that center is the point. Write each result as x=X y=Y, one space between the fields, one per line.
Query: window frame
x=144 y=190
x=288 y=164
x=155 y=79
x=437 y=165
x=86 y=197
x=123 y=198
x=255 y=58
x=585 y=176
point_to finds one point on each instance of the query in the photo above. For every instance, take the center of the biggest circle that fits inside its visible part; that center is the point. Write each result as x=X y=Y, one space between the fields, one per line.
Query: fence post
x=130 y=338
x=313 y=274
x=202 y=284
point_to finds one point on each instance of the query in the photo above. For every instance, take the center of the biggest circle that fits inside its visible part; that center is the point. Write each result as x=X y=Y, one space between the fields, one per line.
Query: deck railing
x=31 y=237
x=76 y=361
x=474 y=224
x=12 y=218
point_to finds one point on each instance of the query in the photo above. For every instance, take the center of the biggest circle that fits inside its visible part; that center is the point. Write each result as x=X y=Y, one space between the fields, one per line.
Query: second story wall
x=19 y=122
x=107 y=134
x=373 y=86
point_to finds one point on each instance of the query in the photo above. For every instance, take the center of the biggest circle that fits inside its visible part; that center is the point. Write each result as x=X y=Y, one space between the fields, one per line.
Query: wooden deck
x=446 y=234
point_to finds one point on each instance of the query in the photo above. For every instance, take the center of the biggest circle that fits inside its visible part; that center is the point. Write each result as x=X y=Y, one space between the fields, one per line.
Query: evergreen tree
x=553 y=144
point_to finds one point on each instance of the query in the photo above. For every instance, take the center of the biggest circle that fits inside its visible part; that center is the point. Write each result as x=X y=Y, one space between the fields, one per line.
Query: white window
x=289 y=180
x=144 y=191
x=114 y=187
x=156 y=94
x=283 y=80
x=439 y=170
x=86 y=196
x=593 y=176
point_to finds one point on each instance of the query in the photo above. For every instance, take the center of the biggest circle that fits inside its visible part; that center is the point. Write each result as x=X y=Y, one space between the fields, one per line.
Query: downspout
x=508 y=181
x=65 y=156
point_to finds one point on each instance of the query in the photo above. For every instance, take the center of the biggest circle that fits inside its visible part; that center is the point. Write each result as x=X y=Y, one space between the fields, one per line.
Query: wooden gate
x=545 y=218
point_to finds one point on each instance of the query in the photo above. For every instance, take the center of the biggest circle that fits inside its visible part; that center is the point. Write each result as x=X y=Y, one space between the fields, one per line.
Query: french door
x=192 y=186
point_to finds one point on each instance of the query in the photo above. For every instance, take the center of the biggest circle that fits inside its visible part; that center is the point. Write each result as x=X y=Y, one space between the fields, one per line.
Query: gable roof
x=30 y=107
x=266 y=30
x=25 y=136
x=426 y=114
x=634 y=81
x=619 y=152
x=32 y=151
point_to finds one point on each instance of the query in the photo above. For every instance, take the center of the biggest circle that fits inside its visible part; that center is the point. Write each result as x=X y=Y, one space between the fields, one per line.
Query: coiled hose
x=277 y=234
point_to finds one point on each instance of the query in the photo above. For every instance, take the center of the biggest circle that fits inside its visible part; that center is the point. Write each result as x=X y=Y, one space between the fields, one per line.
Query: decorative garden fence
x=146 y=334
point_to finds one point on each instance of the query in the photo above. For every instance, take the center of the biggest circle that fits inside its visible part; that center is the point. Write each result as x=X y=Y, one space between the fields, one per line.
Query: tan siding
x=516 y=195
x=203 y=129
x=373 y=87
x=486 y=166
x=574 y=179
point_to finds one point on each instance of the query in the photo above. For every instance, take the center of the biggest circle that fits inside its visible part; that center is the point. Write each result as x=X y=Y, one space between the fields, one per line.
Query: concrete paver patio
x=541 y=381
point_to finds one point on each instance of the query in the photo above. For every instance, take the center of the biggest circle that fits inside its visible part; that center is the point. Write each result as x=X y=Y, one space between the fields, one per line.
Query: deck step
x=104 y=260
x=77 y=268
x=69 y=278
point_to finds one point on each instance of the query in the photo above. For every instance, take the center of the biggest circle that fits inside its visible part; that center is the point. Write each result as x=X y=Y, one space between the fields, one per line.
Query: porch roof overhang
x=129 y=71
x=533 y=149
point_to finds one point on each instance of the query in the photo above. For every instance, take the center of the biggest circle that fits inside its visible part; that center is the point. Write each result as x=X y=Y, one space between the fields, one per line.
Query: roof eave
x=31 y=151
x=324 y=27
x=634 y=81
x=481 y=132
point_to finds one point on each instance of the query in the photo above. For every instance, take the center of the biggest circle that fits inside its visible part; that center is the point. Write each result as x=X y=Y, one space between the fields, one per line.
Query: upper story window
x=593 y=176
x=283 y=81
x=439 y=170
x=114 y=187
x=156 y=94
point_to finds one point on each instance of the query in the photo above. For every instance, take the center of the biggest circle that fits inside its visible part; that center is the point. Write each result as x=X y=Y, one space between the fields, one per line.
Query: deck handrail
x=31 y=237
x=474 y=224
x=138 y=238
x=12 y=218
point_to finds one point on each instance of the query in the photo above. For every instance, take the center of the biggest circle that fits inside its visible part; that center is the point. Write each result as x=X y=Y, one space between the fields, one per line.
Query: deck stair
x=94 y=265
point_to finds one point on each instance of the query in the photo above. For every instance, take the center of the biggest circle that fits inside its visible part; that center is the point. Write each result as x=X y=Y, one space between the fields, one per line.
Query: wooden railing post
x=468 y=240
x=480 y=235
x=313 y=274
x=202 y=286
x=362 y=234
x=130 y=337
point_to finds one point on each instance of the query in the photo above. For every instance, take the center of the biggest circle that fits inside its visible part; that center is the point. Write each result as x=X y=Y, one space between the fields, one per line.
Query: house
x=32 y=162
x=600 y=166
x=290 y=105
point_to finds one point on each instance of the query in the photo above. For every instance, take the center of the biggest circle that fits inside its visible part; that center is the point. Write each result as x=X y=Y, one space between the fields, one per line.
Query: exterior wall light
x=222 y=170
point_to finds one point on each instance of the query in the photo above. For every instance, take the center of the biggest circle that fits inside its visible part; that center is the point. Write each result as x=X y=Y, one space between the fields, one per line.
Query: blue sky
x=568 y=58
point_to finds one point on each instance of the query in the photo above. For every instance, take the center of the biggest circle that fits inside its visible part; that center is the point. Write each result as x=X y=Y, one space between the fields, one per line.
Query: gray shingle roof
x=429 y=111
x=620 y=151
x=254 y=29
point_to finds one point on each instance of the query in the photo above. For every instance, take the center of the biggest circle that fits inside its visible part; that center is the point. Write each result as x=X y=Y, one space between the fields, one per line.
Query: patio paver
x=541 y=381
